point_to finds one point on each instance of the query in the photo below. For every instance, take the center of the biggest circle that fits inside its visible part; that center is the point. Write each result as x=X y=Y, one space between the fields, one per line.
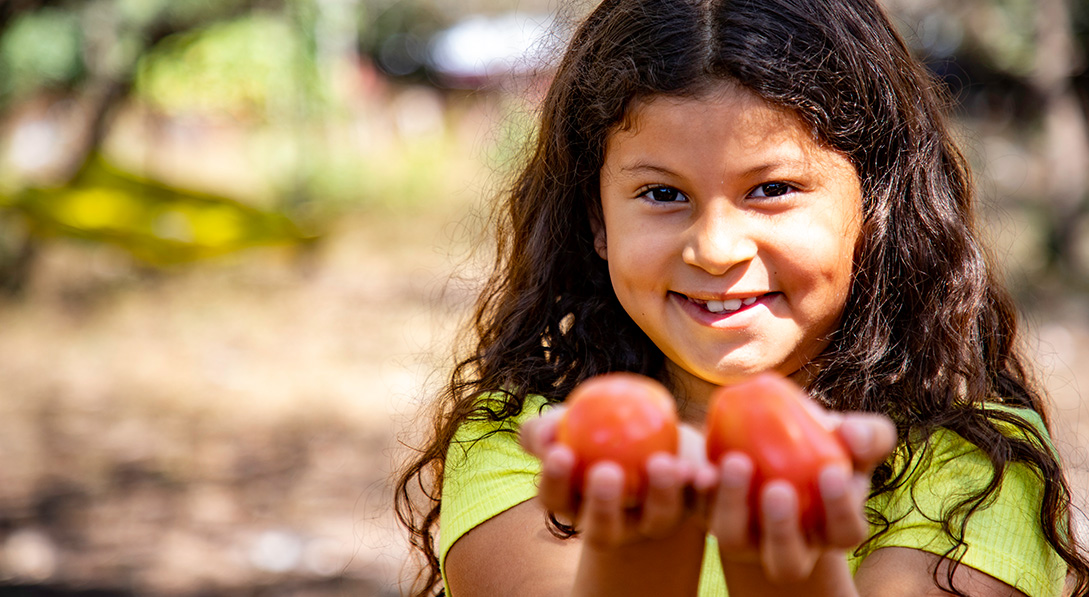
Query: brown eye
x=664 y=195
x=772 y=189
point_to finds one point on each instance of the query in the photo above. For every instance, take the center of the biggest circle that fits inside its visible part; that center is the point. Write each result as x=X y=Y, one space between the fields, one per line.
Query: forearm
x=831 y=577
x=664 y=567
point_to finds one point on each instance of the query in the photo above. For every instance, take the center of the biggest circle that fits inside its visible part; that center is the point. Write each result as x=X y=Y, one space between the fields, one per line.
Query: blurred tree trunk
x=9 y=9
x=106 y=89
x=110 y=82
x=1066 y=135
x=17 y=256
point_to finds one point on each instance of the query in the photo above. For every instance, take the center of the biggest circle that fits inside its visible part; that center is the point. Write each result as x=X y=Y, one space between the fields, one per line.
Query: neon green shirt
x=487 y=472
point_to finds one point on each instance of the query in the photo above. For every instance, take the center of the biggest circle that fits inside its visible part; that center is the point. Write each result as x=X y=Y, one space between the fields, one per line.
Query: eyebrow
x=647 y=167
x=784 y=162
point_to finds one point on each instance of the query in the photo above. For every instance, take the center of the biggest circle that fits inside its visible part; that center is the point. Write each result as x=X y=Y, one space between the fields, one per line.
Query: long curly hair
x=928 y=333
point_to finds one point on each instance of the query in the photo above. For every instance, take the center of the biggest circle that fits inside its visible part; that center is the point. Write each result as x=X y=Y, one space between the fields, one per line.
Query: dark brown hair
x=928 y=334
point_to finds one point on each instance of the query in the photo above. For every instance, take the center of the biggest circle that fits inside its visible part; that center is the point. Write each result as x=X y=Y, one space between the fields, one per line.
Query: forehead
x=722 y=118
x=722 y=92
x=722 y=104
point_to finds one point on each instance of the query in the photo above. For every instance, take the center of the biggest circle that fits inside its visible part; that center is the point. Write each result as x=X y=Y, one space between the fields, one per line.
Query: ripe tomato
x=623 y=418
x=765 y=418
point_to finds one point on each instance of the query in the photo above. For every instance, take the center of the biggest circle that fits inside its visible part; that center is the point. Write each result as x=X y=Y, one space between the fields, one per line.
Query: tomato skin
x=622 y=418
x=765 y=418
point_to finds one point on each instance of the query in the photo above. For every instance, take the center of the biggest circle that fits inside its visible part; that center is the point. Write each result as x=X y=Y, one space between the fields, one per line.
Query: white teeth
x=726 y=305
x=749 y=301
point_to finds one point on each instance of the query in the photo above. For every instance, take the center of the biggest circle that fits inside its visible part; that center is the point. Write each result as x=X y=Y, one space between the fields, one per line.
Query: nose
x=717 y=241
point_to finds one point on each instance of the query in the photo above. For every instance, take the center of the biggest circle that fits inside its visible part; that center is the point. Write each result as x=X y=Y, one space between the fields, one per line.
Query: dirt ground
x=228 y=429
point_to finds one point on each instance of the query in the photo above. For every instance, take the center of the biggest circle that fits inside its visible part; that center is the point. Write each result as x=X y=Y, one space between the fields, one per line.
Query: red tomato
x=623 y=418
x=766 y=418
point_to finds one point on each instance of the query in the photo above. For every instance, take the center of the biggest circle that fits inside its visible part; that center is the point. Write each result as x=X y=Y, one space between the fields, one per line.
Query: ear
x=598 y=228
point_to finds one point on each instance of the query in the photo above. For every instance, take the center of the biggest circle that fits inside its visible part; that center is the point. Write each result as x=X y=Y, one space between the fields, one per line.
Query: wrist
x=830 y=577
x=637 y=568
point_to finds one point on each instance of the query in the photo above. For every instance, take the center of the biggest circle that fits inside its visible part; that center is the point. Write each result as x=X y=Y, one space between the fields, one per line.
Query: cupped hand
x=775 y=538
x=597 y=504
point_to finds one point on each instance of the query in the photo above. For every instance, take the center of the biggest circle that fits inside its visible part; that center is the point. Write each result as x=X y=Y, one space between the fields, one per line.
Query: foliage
x=242 y=58
x=158 y=224
x=40 y=50
x=248 y=67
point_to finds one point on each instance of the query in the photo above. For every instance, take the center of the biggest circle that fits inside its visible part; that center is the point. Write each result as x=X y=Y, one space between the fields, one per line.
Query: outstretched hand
x=785 y=551
x=597 y=504
x=684 y=491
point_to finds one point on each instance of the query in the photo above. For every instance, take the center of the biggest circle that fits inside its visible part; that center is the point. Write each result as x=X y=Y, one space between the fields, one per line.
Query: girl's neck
x=693 y=395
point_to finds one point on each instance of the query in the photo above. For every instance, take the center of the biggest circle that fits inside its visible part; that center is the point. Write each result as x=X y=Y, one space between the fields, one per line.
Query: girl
x=719 y=188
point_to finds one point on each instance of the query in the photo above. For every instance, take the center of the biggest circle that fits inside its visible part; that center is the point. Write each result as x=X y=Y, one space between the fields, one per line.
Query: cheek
x=841 y=261
x=821 y=271
x=818 y=251
x=640 y=268
x=632 y=244
x=629 y=268
x=838 y=277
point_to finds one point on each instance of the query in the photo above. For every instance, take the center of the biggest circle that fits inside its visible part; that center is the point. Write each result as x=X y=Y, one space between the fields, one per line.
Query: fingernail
x=736 y=471
x=704 y=478
x=558 y=461
x=777 y=503
x=608 y=481
x=663 y=479
x=832 y=482
x=659 y=469
x=860 y=436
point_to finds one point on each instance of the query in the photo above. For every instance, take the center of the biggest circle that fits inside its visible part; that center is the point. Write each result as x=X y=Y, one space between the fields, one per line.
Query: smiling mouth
x=726 y=306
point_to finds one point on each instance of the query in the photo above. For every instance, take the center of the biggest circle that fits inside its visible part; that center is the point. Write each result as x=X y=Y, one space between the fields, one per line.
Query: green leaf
x=158 y=224
x=41 y=48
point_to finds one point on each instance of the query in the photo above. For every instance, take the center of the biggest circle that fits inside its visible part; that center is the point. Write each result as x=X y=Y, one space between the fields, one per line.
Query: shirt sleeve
x=1003 y=538
x=486 y=472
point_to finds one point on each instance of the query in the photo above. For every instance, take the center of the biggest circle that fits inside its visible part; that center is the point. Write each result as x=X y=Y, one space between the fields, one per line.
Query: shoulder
x=945 y=456
x=482 y=445
x=899 y=571
x=475 y=564
x=486 y=473
x=952 y=503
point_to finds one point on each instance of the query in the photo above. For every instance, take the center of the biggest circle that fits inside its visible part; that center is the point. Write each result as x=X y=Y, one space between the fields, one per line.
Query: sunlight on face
x=729 y=234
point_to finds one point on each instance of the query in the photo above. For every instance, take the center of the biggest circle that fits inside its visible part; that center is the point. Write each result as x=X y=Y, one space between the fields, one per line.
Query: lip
x=695 y=308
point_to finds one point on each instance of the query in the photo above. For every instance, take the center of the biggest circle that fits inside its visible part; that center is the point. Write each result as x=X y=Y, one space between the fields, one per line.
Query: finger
x=602 y=515
x=844 y=523
x=869 y=437
x=664 y=503
x=538 y=433
x=784 y=551
x=830 y=419
x=557 y=487
x=701 y=491
x=701 y=476
x=730 y=513
x=705 y=478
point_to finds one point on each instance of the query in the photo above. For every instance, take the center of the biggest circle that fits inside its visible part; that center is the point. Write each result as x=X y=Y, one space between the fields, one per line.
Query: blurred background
x=237 y=235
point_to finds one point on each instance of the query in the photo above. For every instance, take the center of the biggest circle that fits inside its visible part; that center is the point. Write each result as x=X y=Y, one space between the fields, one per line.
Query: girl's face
x=729 y=234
